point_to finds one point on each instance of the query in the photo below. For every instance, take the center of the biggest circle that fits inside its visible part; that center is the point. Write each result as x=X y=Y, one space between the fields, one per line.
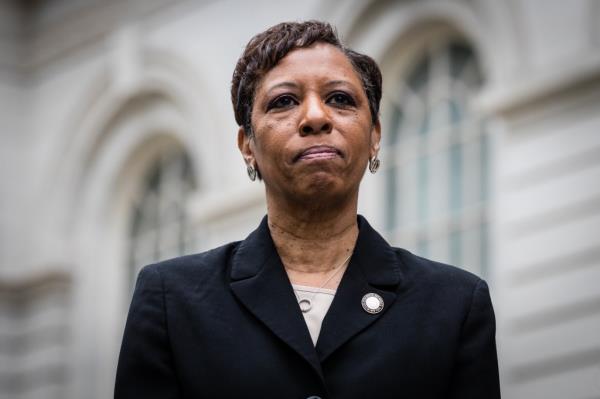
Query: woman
x=313 y=303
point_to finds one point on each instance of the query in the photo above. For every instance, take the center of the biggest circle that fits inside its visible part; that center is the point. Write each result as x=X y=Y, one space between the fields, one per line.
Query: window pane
x=456 y=176
x=395 y=123
x=422 y=191
x=455 y=248
x=437 y=186
x=460 y=55
x=391 y=198
x=158 y=226
x=484 y=162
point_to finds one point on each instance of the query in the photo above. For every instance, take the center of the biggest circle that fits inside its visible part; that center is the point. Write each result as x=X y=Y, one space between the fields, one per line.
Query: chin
x=323 y=188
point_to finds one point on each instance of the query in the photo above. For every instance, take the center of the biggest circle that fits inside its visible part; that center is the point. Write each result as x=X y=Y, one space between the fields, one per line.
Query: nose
x=316 y=119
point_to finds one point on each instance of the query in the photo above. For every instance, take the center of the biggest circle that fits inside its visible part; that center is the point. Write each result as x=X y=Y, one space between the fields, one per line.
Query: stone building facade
x=117 y=148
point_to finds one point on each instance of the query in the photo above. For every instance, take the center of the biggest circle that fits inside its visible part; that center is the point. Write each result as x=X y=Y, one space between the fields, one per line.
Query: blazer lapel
x=259 y=281
x=374 y=268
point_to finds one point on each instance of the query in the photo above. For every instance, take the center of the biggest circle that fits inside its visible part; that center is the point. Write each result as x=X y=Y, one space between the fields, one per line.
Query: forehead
x=319 y=61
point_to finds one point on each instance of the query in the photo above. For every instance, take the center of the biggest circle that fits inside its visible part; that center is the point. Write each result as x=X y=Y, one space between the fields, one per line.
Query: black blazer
x=226 y=324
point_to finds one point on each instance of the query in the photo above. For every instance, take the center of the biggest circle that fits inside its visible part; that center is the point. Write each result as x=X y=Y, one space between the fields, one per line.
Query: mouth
x=318 y=152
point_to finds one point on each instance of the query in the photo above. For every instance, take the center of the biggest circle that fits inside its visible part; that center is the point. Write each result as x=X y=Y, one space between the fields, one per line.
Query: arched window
x=160 y=227
x=437 y=156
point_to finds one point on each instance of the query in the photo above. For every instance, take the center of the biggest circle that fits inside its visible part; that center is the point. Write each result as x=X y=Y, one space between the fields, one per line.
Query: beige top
x=320 y=299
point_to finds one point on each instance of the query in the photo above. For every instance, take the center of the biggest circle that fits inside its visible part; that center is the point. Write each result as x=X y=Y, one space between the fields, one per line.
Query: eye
x=341 y=99
x=283 y=101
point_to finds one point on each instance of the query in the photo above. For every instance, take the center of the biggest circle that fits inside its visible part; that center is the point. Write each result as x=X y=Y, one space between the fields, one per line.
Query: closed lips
x=318 y=152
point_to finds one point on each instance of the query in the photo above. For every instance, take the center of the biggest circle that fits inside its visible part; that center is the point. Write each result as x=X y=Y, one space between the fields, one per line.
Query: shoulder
x=431 y=269
x=204 y=266
x=439 y=279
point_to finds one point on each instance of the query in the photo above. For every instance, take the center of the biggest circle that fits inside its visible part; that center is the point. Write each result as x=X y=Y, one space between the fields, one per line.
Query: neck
x=313 y=240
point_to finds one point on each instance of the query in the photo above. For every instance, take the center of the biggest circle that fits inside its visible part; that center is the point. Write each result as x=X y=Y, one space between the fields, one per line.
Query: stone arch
x=399 y=35
x=392 y=32
x=107 y=145
x=164 y=78
x=378 y=27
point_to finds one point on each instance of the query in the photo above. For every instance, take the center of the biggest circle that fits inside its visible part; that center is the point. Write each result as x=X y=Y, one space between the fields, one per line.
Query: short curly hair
x=266 y=49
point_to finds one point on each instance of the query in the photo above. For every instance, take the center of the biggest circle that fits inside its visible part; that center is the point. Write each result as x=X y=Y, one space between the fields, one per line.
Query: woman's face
x=312 y=128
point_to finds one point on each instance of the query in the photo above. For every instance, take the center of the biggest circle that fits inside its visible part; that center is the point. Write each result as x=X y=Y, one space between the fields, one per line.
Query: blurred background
x=118 y=148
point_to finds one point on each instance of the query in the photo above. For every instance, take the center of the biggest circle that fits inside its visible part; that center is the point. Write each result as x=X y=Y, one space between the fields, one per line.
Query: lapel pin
x=372 y=303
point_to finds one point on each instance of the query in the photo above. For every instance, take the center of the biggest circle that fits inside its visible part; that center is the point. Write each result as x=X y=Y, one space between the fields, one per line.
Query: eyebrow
x=338 y=82
x=283 y=84
x=288 y=84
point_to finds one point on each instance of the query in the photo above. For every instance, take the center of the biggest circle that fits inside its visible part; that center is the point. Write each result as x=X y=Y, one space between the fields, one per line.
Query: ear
x=244 y=140
x=375 y=139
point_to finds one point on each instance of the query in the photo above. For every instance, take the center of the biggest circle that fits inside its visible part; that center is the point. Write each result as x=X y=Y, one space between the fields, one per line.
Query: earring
x=374 y=164
x=251 y=172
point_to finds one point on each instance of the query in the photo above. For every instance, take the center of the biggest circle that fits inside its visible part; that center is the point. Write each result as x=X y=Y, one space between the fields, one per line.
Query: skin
x=312 y=138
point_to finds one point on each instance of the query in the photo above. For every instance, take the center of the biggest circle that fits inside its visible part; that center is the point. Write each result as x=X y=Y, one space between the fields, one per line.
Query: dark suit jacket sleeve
x=145 y=368
x=476 y=370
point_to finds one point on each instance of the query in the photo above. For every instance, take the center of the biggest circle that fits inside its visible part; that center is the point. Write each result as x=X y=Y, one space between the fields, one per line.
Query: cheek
x=358 y=131
x=268 y=149
x=354 y=120
x=273 y=136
